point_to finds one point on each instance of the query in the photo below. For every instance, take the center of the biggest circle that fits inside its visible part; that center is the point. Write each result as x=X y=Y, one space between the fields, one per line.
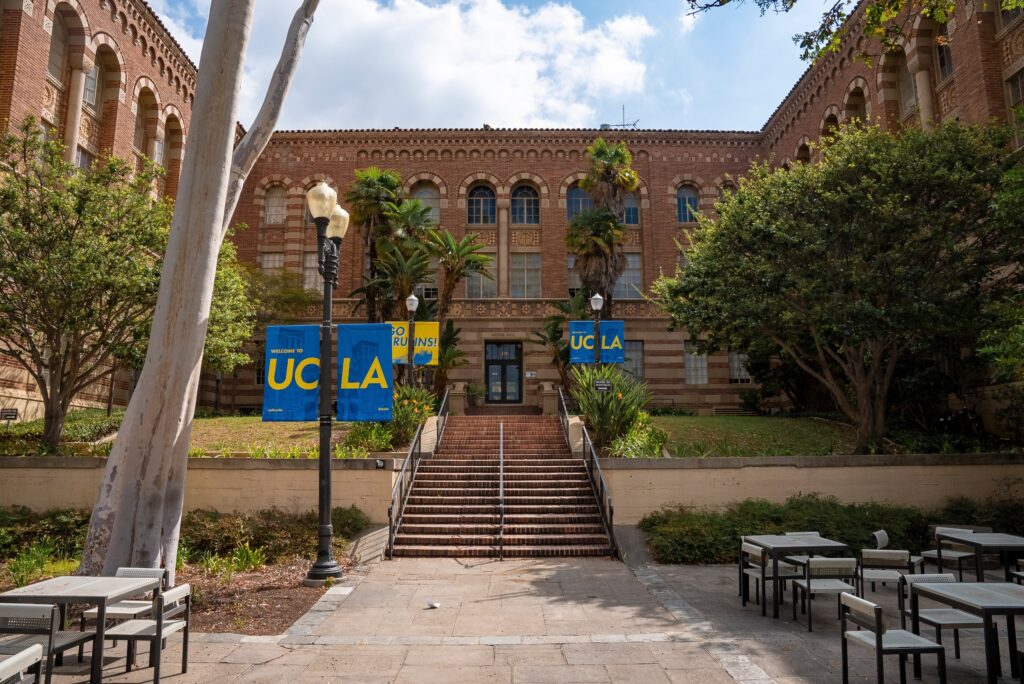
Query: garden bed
x=739 y=436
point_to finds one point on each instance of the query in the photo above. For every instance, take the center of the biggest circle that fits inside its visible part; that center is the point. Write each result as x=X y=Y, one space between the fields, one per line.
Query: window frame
x=627 y=291
x=479 y=208
x=275 y=269
x=269 y=211
x=577 y=201
x=525 y=208
x=311 y=272
x=738 y=373
x=695 y=366
x=434 y=201
x=486 y=288
x=634 y=358
x=691 y=211
x=631 y=211
x=531 y=288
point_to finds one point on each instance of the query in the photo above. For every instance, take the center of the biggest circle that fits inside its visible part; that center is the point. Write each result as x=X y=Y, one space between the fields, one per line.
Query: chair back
x=144 y=573
x=884 y=558
x=946 y=529
x=30 y=618
x=881 y=539
x=752 y=554
x=177 y=594
x=831 y=568
x=862 y=613
x=802 y=534
x=903 y=589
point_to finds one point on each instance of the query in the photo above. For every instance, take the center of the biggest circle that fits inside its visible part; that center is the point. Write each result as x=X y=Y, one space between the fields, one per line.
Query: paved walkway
x=546 y=620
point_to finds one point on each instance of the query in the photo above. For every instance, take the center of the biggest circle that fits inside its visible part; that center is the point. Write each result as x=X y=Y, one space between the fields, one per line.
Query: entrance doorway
x=503 y=372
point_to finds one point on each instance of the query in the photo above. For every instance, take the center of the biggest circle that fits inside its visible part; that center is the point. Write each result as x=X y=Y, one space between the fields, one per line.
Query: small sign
x=9 y=414
x=425 y=351
x=603 y=385
x=581 y=342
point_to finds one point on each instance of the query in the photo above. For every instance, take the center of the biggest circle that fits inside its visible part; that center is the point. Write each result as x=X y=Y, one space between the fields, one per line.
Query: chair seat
x=785 y=570
x=947 y=554
x=142 y=629
x=894 y=641
x=948 y=618
x=63 y=641
x=880 y=575
x=826 y=586
x=122 y=610
x=1017 y=574
x=20 y=661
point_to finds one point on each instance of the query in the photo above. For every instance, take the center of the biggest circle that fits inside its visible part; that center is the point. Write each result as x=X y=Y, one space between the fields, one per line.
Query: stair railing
x=563 y=416
x=403 y=486
x=601 y=492
x=442 y=419
x=501 y=491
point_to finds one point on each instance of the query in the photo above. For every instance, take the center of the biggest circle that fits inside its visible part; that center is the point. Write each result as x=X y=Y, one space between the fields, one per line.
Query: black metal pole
x=410 y=354
x=325 y=565
x=597 y=337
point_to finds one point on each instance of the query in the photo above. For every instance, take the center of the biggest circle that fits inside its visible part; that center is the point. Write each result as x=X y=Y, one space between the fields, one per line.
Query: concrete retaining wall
x=641 y=486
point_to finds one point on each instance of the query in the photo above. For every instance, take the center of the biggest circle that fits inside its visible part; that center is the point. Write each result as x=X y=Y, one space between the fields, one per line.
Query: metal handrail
x=563 y=416
x=400 y=492
x=442 y=419
x=600 y=489
x=501 y=491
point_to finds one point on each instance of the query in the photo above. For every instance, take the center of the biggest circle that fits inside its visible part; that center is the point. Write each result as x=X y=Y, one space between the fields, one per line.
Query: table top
x=782 y=542
x=80 y=589
x=991 y=540
x=975 y=596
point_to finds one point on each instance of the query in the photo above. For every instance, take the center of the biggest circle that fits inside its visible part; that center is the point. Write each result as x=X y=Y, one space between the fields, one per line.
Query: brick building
x=516 y=188
x=103 y=76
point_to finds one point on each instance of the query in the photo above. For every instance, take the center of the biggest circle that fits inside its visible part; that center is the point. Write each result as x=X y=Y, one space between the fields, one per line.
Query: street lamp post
x=331 y=225
x=411 y=304
x=596 y=304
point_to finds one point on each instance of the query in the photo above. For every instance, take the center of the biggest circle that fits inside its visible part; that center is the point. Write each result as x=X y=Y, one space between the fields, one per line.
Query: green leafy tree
x=1004 y=340
x=848 y=263
x=79 y=265
x=368 y=198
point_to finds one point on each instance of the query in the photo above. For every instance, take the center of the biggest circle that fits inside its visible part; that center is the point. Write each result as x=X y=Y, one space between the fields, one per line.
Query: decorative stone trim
x=442 y=187
x=474 y=178
x=532 y=178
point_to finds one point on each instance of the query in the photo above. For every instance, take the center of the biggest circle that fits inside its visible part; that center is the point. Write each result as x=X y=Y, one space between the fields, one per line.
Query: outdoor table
x=985 y=600
x=93 y=591
x=780 y=545
x=1008 y=545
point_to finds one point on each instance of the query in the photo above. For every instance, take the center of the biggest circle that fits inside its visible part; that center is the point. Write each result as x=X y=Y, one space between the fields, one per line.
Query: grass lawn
x=245 y=433
x=704 y=436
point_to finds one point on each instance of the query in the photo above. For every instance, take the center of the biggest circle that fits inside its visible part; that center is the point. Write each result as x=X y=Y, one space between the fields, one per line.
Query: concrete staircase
x=550 y=508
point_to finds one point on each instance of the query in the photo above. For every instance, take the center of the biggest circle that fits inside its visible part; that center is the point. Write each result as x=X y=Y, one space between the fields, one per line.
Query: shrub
x=643 y=440
x=608 y=415
x=412 y=406
x=87 y=425
x=370 y=437
x=246 y=558
x=349 y=522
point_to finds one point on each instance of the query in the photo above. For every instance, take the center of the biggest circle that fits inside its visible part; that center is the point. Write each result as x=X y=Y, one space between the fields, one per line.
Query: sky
x=518 y=63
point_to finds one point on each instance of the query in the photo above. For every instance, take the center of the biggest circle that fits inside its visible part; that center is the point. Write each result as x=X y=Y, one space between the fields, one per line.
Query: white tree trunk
x=138 y=508
x=137 y=517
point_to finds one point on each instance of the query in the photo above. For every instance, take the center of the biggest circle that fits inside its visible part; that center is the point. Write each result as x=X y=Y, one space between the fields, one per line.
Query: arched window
x=830 y=124
x=631 y=211
x=725 y=190
x=275 y=206
x=856 y=106
x=907 y=87
x=803 y=153
x=58 y=59
x=943 y=53
x=481 y=208
x=576 y=201
x=686 y=204
x=525 y=206
x=429 y=196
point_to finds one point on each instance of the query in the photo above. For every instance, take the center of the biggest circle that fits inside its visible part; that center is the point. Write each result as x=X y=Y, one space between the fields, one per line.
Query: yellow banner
x=427 y=333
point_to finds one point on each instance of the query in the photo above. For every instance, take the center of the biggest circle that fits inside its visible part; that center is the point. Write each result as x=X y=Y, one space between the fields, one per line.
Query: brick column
x=73 y=119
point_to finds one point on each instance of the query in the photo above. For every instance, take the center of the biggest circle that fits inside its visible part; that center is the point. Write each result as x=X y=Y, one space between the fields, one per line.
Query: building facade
x=103 y=77
x=517 y=189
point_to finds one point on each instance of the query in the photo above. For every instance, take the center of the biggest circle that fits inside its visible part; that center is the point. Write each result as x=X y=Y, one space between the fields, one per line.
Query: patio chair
x=130 y=608
x=882 y=542
x=884 y=641
x=1018 y=574
x=824 y=576
x=29 y=659
x=952 y=551
x=800 y=560
x=758 y=565
x=156 y=629
x=939 y=618
x=882 y=565
x=37 y=624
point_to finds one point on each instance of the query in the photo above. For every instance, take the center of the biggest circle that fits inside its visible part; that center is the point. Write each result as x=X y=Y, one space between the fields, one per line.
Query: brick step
x=416 y=499
x=459 y=483
x=461 y=507
x=489 y=539
x=485 y=464
x=415 y=528
x=492 y=479
x=541 y=456
x=492 y=551
x=511 y=472
x=403 y=539
x=526 y=519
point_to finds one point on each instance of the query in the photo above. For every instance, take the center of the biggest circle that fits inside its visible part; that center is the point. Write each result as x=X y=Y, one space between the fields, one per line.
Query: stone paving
x=541 y=620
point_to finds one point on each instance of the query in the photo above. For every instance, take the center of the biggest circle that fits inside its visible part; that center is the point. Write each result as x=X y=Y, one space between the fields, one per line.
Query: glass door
x=504 y=372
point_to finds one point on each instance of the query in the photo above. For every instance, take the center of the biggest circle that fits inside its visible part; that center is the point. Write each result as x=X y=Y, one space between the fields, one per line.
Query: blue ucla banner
x=364 y=372
x=581 y=342
x=291 y=373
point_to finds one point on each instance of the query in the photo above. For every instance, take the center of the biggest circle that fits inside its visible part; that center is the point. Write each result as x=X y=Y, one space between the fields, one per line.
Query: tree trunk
x=138 y=508
x=53 y=419
x=110 y=390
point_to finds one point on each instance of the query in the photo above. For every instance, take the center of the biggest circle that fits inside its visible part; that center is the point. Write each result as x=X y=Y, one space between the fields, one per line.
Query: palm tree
x=368 y=197
x=610 y=176
x=552 y=336
x=595 y=239
x=407 y=221
x=458 y=259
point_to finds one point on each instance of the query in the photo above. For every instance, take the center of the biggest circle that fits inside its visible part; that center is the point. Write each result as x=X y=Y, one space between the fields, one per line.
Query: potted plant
x=476 y=393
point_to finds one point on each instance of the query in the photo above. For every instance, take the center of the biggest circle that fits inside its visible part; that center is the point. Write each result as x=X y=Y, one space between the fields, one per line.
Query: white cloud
x=426 y=63
x=180 y=17
x=687 y=20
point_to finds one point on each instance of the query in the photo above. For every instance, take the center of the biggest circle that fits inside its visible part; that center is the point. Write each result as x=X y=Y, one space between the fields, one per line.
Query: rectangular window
x=83 y=159
x=524 y=276
x=632 y=216
x=526 y=210
x=311 y=278
x=696 y=366
x=634 y=365
x=575 y=285
x=479 y=286
x=276 y=207
x=428 y=288
x=631 y=283
x=90 y=87
x=158 y=151
x=1016 y=86
x=272 y=262
x=738 y=369
x=481 y=210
